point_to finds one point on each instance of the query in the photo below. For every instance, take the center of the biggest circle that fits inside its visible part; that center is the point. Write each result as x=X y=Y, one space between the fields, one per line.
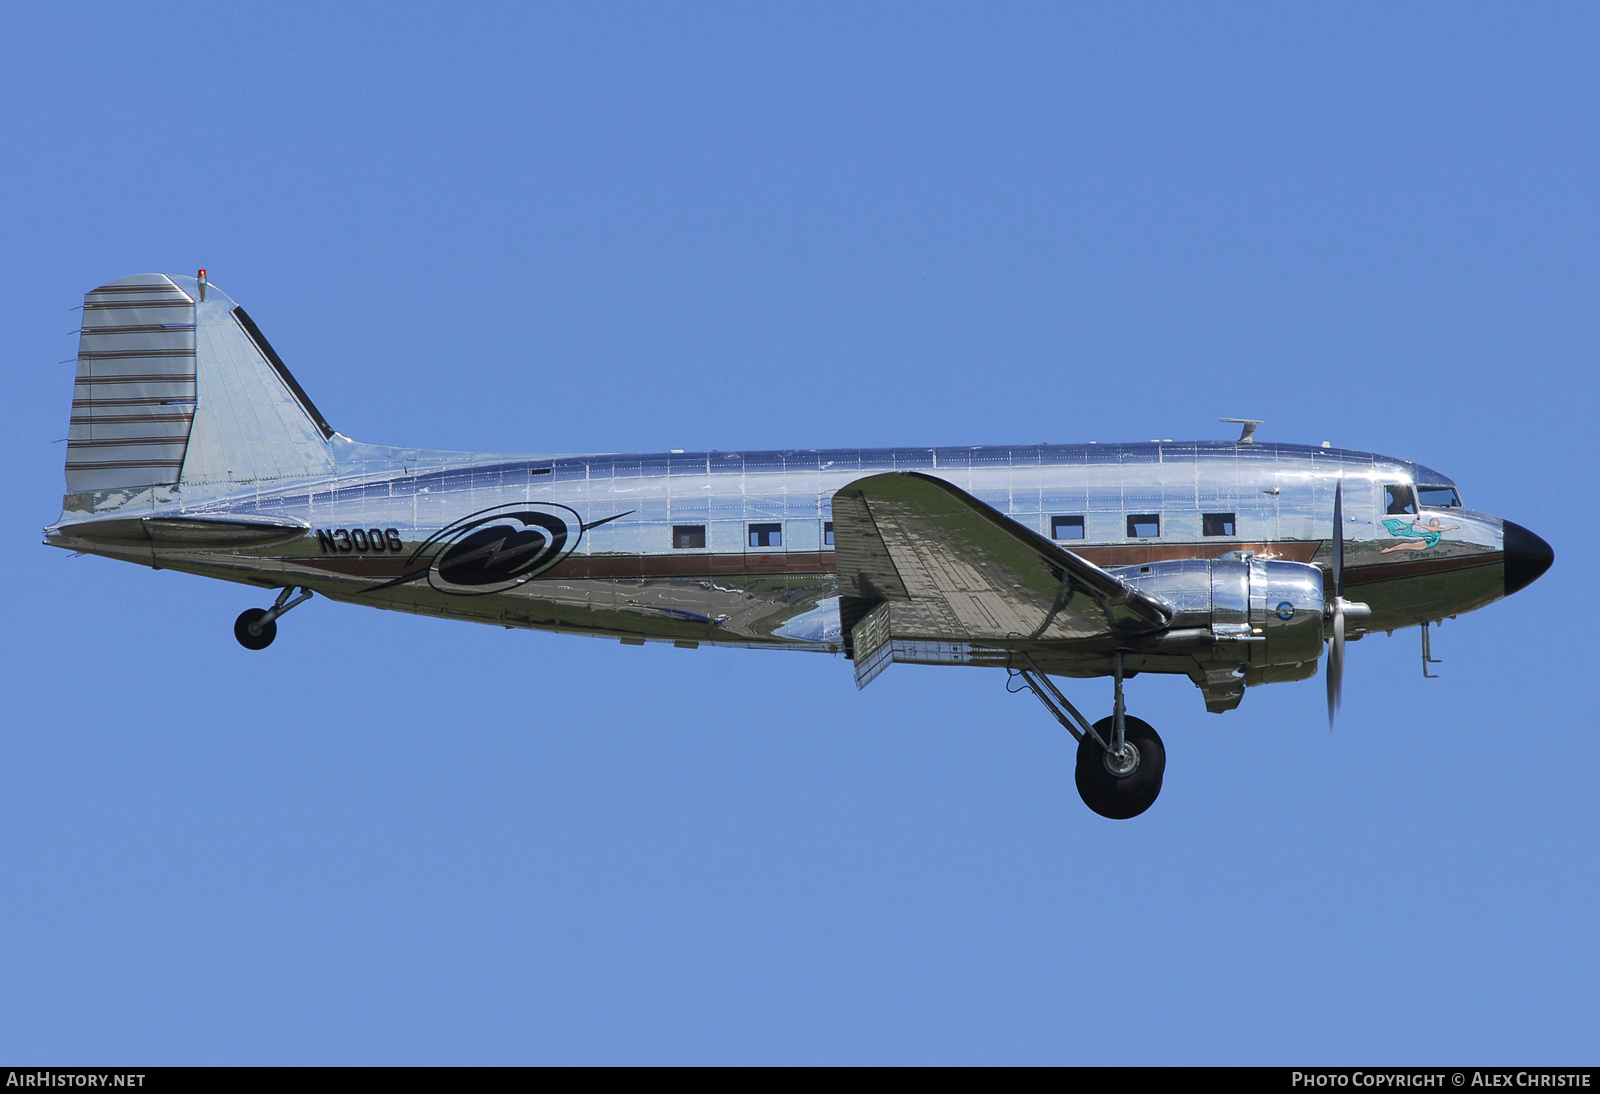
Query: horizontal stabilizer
x=187 y=531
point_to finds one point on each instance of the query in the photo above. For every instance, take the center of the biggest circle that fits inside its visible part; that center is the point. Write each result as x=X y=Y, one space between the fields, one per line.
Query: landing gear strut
x=257 y=627
x=1120 y=759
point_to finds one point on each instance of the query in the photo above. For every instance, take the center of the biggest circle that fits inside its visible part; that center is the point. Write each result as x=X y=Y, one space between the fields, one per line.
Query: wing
x=952 y=569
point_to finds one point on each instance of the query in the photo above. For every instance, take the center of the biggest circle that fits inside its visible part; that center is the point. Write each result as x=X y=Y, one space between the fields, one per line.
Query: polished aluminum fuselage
x=625 y=578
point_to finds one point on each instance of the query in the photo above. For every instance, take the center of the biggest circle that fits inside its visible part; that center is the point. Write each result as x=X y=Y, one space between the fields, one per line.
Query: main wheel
x=265 y=634
x=1121 y=787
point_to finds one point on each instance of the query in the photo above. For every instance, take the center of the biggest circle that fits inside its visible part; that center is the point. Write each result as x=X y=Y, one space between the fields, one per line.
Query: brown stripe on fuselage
x=1419 y=567
x=702 y=565
x=1142 y=554
x=577 y=567
x=694 y=564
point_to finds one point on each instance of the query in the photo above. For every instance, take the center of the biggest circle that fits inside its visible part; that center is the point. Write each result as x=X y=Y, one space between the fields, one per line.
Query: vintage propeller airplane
x=1233 y=563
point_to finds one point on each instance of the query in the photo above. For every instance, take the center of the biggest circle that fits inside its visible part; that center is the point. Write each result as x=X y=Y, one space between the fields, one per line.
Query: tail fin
x=177 y=387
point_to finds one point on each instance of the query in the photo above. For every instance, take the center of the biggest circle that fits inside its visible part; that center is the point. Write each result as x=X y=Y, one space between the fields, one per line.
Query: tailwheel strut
x=1121 y=759
x=257 y=627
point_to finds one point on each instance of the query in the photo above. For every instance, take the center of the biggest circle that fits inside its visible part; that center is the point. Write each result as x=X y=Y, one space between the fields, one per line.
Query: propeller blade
x=1336 y=624
x=1338 y=539
x=1336 y=661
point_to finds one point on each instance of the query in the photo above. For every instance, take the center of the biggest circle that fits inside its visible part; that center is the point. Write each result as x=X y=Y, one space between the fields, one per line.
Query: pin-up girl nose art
x=1418 y=535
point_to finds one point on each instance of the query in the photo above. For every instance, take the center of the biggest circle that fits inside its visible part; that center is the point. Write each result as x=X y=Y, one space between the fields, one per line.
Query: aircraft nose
x=1527 y=556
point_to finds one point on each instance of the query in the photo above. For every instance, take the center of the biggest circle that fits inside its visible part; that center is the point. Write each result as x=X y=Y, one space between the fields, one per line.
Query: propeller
x=1340 y=611
x=1336 y=635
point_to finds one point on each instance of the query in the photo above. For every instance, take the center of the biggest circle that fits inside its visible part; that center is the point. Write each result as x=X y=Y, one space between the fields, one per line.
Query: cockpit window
x=1399 y=499
x=1440 y=497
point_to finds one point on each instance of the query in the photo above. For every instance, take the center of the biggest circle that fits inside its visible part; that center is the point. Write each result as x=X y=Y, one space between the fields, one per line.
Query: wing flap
x=874 y=651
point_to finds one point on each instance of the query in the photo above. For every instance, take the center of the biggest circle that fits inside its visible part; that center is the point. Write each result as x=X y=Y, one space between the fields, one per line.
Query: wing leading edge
x=924 y=561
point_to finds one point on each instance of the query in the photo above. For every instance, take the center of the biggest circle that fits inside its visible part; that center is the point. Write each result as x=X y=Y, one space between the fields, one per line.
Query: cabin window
x=766 y=535
x=1440 y=497
x=687 y=537
x=827 y=533
x=1144 y=525
x=1066 y=527
x=1217 y=524
x=1399 y=499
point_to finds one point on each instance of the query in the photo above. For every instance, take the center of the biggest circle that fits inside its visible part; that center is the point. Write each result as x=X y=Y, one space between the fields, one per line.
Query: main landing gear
x=1120 y=759
x=257 y=627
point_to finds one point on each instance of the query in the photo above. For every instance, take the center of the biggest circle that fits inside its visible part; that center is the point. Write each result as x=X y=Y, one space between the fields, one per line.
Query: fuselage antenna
x=1247 y=428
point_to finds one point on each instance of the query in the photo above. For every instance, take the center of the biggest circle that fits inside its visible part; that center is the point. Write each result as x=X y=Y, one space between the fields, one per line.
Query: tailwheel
x=252 y=632
x=257 y=627
x=1122 y=785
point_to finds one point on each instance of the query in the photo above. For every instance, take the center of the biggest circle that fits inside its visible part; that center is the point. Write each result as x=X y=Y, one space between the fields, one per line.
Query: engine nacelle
x=1259 y=612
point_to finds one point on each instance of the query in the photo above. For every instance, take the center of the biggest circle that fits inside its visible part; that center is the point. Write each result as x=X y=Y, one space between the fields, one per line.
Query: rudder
x=133 y=400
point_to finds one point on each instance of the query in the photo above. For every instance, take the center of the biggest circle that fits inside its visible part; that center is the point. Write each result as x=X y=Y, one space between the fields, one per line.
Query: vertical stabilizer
x=179 y=394
x=252 y=423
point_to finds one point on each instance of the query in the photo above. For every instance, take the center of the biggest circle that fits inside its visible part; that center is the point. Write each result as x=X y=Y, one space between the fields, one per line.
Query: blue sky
x=400 y=840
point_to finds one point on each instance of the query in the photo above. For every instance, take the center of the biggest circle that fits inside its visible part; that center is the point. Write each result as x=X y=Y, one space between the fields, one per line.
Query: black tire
x=241 y=629
x=1121 y=797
